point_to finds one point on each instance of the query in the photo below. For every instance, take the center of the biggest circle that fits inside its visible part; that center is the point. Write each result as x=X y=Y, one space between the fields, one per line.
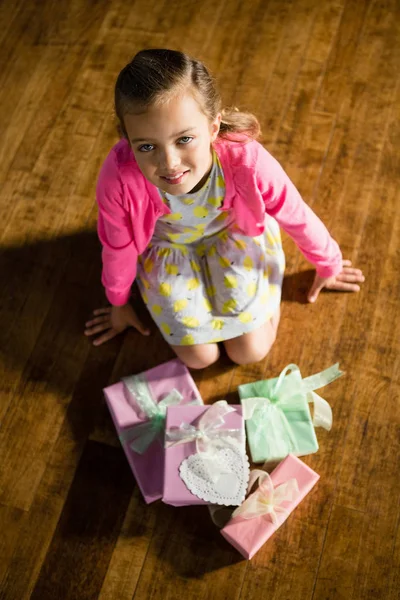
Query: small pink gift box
x=276 y=497
x=136 y=429
x=175 y=490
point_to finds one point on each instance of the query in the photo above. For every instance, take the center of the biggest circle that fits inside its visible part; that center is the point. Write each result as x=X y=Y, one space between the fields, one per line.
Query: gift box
x=205 y=458
x=277 y=413
x=264 y=511
x=138 y=407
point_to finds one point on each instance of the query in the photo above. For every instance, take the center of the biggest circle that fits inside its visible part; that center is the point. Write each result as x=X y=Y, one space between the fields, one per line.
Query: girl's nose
x=169 y=160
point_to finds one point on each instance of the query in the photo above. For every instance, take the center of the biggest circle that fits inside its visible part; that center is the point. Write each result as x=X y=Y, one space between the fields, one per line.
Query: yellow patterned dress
x=201 y=279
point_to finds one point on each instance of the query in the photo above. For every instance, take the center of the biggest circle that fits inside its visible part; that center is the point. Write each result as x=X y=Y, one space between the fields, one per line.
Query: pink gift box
x=148 y=468
x=175 y=490
x=248 y=535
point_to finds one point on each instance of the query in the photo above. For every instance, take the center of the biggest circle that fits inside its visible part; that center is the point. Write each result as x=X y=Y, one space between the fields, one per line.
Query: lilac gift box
x=148 y=467
x=175 y=491
x=248 y=535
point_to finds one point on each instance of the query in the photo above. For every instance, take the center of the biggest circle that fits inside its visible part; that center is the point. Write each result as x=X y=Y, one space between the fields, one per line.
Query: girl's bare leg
x=253 y=346
x=198 y=356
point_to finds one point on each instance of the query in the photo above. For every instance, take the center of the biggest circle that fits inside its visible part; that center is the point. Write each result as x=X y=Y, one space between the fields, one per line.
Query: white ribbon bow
x=208 y=436
x=208 y=431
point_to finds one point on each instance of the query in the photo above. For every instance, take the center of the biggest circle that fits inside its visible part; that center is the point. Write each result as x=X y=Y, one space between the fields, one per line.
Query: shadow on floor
x=49 y=289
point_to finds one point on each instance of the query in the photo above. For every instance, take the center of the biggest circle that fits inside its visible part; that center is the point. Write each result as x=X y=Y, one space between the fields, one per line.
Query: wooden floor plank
x=324 y=31
x=130 y=551
x=384 y=341
x=322 y=80
x=11 y=520
x=349 y=217
x=69 y=23
x=295 y=124
x=35 y=535
x=94 y=509
x=295 y=35
x=51 y=493
x=328 y=347
x=17 y=36
x=373 y=396
x=340 y=559
x=202 y=20
x=10 y=18
x=31 y=71
x=378 y=536
x=368 y=481
x=241 y=62
x=355 y=490
x=43 y=397
x=394 y=583
x=48 y=31
x=189 y=554
x=290 y=551
x=52 y=101
x=28 y=293
x=263 y=48
x=337 y=80
x=35 y=266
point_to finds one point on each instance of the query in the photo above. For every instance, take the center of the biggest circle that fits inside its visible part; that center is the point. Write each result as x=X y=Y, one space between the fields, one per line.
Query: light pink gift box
x=148 y=468
x=175 y=490
x=248 y=535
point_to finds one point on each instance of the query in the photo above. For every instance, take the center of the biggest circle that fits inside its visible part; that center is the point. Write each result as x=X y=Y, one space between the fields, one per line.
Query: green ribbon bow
x=268 y=414
x=140 y=436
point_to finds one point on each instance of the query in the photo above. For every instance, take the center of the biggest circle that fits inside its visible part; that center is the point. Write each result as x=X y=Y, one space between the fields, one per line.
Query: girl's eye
x=146 y=148
x=185 y=140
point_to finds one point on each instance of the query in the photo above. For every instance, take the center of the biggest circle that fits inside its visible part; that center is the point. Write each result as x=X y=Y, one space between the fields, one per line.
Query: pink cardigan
x=129 y=206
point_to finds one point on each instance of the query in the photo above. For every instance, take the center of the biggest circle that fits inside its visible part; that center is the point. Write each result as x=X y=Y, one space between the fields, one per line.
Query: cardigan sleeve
x=114 y=226
x=283 y=202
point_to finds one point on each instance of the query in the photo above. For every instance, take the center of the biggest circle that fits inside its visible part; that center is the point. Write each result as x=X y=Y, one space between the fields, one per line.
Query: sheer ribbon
x=288 y=392
x=209 y=437
x=267 y=499
x=140 y=436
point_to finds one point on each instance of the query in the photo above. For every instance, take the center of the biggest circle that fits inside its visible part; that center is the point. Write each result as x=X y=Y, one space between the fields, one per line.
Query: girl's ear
x=215 y=125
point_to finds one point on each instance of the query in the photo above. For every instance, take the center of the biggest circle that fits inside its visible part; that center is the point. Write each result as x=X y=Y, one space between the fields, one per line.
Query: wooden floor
x=322 y=77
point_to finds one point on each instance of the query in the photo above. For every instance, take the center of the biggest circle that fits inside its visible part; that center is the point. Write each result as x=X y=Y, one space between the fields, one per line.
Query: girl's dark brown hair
x=153 y=76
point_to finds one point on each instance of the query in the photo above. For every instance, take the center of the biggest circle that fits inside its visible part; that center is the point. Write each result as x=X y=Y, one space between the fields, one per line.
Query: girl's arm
x=119 y=254
x=283 y=202
x=119 y=257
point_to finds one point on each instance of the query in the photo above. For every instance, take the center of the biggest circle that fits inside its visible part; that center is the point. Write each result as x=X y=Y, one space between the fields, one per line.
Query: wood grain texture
x=341 y=556
x=11 y=520
x=94 y=509
x=323 y=80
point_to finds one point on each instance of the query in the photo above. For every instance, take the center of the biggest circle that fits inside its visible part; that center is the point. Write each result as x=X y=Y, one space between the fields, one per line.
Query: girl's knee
x=251 y=347
x=198 y=357
x=246 y=356
x=198 y=362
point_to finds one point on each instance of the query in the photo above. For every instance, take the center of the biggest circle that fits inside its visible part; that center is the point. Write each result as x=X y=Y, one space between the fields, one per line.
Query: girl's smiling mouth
x=175 y=179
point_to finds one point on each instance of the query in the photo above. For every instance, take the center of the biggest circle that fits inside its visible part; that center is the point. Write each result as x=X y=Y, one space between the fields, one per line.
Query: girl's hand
x=345 y=281
x=113 y=320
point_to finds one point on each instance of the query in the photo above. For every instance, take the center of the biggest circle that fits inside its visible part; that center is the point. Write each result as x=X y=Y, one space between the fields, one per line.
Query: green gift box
x=277 y=413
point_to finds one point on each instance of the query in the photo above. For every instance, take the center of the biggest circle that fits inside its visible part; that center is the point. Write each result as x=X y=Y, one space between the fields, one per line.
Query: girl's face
x=172 y=144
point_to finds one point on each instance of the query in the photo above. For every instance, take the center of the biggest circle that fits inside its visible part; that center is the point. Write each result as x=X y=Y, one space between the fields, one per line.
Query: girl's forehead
x=178 y=113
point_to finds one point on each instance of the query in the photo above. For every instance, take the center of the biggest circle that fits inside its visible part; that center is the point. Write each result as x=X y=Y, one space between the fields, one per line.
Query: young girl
x=190 y=205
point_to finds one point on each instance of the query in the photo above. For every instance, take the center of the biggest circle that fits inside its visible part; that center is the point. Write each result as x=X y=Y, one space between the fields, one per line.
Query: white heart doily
x=227 y=485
